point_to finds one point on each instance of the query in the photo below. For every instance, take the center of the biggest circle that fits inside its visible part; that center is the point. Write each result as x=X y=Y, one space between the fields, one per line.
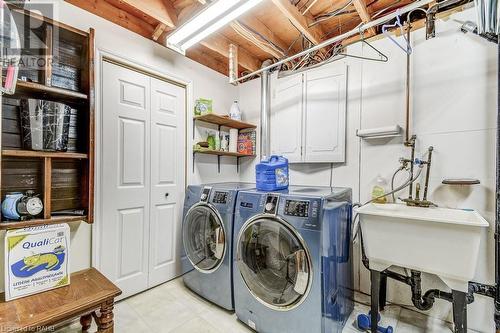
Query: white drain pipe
x=265 y=111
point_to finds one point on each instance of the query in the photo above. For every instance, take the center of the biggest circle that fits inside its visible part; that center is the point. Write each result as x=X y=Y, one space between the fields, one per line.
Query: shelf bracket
x=238 y=164
x=218 y=163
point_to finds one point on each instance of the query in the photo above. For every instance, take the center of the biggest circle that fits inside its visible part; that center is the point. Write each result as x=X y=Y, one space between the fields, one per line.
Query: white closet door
x=167 y=180
x=125 y=178
x=325 y=114
x=286 y=118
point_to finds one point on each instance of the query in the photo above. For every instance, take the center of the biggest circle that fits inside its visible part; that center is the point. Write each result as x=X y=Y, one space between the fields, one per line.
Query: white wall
x=205 y=83
x=454 y=92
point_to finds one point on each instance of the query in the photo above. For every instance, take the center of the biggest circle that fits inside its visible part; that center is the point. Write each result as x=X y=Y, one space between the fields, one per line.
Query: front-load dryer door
x=204 y=238
x=274 y=262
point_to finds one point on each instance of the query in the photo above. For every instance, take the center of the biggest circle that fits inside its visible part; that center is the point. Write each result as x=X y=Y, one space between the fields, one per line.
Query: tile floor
x=172 y=307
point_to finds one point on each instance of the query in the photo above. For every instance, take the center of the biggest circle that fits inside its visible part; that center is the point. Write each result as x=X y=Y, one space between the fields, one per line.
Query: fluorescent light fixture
x=214 y=17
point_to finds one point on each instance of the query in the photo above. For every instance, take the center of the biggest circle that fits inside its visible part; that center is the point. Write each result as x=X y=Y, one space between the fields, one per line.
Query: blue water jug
x=272 y=173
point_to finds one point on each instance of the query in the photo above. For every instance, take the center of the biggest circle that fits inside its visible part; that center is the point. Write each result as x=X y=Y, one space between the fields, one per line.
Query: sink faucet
x=410 y=201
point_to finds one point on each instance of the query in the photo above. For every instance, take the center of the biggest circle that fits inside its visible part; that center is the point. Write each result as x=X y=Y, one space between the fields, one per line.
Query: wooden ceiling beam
x=220 y=44
x=363 y=13
x=301 y=22
x=116 y=15
x=159 y=30
x=201 y=55
x=161 y=10
x=259 y=30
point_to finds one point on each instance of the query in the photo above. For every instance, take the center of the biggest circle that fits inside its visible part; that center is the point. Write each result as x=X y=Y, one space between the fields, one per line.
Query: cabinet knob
x=166 y=195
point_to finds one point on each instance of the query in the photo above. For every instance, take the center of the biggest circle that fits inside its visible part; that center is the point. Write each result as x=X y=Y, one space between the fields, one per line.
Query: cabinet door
x=286 y=118
x=325 y=114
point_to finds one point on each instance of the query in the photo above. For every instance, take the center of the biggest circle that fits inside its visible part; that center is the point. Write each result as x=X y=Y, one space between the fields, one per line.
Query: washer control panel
x=297 y=208
x=220 y=197
x=205 y=194
x=271 y=204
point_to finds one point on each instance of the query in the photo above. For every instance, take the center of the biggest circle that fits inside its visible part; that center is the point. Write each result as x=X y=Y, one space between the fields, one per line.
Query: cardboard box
x=36 y=260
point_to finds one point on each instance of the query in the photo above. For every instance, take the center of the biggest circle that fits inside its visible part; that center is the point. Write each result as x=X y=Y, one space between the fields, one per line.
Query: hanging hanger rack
x=397 y=24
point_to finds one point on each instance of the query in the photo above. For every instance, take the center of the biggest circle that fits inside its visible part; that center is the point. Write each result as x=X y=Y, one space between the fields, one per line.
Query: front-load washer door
x=204 y=238
x=274 y=262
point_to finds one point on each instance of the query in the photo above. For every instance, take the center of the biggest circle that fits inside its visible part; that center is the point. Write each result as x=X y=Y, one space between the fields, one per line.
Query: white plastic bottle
x=379 y=190
x=235 y=112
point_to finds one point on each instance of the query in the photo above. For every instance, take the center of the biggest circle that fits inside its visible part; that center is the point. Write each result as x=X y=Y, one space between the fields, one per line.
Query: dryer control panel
x=299 y=208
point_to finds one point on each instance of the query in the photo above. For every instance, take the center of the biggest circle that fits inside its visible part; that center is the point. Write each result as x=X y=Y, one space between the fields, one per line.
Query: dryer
x=207 y=234
x=293 y=260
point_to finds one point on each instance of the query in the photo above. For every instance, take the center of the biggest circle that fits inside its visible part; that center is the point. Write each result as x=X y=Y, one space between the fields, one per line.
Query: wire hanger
x=382 y=57
x=407 y=47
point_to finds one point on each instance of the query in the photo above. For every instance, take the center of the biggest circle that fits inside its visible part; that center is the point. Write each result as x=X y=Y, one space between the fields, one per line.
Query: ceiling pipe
x=338 y=38
x=265 y=112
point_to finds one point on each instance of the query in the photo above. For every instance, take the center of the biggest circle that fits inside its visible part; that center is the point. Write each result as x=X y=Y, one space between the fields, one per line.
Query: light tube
x=207 y=22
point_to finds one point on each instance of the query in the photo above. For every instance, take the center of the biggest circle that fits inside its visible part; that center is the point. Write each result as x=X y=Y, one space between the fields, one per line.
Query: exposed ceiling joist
x=220 y=44
x=159 y=30
x=262 y=31
x=116 y=15
x=363 y=13
x=201 y=54
x=162 y=10
x=256 y=40
x=301 y=22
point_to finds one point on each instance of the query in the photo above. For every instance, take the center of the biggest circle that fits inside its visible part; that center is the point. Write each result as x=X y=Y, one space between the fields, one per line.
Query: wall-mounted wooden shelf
x=42 y=154
x=225 y=121
x=51 y=93
x=8 y=225
x=220 y=153
x=220 y=121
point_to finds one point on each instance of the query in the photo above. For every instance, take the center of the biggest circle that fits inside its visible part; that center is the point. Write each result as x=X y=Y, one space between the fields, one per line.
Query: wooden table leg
x=106 y=324
x=86 y=322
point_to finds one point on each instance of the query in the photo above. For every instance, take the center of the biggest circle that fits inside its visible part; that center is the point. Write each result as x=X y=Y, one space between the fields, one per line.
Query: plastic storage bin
x=272 y=174
x=45 y=125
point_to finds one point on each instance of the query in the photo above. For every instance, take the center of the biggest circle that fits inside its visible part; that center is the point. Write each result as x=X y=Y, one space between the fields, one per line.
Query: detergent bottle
x=272 y=174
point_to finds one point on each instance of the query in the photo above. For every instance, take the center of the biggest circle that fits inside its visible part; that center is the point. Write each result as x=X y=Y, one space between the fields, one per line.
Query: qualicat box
x=36 y=260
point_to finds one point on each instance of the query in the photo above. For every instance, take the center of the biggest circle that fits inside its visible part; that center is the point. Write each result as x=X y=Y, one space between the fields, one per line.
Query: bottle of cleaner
x=380 y=189
x=235 y=112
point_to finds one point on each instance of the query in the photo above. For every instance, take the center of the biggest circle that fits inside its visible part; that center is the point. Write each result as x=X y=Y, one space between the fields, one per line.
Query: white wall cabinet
x=308 y=115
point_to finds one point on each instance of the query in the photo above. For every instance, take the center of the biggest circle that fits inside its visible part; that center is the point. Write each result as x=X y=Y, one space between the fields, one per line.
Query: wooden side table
x=88 y=292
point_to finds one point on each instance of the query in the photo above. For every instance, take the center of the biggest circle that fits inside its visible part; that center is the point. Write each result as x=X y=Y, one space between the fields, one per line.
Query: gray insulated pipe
x=265 y=111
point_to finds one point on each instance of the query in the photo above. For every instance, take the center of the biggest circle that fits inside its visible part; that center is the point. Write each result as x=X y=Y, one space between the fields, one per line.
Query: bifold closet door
x=124 y=243
x=143 y=166
x=167 y=180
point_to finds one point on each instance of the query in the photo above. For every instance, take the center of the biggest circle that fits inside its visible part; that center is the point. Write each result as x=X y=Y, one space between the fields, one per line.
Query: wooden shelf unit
x=64 y=180
x=220 y=121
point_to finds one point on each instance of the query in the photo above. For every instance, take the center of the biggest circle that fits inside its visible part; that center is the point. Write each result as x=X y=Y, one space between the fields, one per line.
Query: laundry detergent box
x=36 y=260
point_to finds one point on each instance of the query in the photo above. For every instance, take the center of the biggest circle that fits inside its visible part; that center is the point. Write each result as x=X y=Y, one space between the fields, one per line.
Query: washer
x=207 y=233
x=293 y=260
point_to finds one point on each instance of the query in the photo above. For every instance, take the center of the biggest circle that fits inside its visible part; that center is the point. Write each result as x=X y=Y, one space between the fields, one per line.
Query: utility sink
x=440 y=241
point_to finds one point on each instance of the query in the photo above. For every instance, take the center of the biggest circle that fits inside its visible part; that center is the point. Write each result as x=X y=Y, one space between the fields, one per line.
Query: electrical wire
x=248 y=33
